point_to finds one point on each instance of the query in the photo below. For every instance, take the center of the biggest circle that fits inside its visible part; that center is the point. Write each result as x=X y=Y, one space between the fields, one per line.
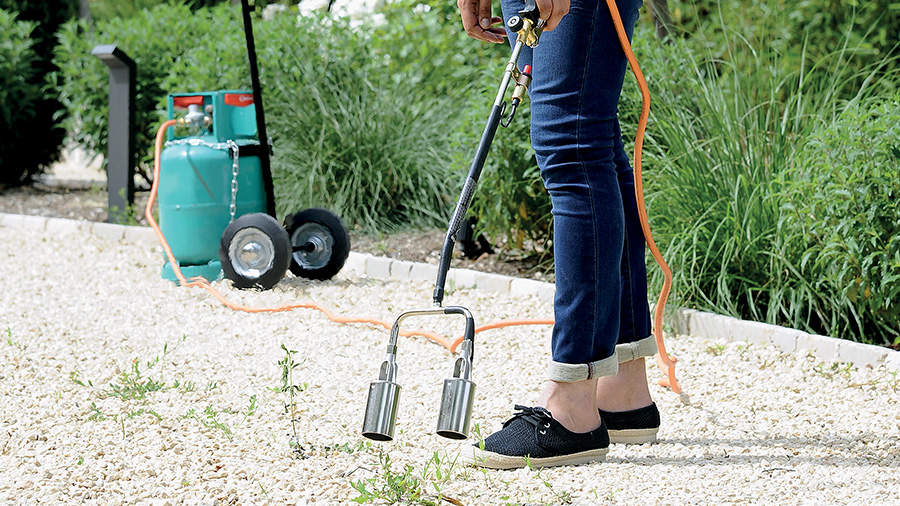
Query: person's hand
x=552 y=11
x=478 y=22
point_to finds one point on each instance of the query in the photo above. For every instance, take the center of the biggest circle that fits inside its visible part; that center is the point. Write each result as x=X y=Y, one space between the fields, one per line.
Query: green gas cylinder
x=197 y=177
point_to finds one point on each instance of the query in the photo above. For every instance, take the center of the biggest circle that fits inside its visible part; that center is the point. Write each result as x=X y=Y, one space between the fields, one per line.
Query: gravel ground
x=120 y=387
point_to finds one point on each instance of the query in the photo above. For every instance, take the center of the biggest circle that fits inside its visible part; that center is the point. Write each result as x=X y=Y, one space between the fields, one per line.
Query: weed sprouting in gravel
x=408 y=486
x=96 y=414
x=142 y=411
x=12 y=342
x=478 y=436
x=288 y=386
x=560 y=497
x=715 y=349
x=830 y=371
x=390 y=486
x=133 y=385
x=211 y=421
x=350 y=450
x=438 y=471
x=251 y=410
x=185 y=387
x=75 y=376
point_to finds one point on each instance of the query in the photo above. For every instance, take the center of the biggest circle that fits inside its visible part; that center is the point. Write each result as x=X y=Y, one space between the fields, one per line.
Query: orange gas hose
x=203 y=283
x=665 y=362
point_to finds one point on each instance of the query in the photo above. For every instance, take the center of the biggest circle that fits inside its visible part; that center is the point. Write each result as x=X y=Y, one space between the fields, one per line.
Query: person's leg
x=578 y=70
x=578 y=73
x=628 y=389
x=578 y=79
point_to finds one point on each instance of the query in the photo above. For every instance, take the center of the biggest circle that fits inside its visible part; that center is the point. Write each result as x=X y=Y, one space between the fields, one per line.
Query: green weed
x=287 y=365
x=559 y=496
x=715 y=349
x=10 y=341
x=389 y=486
x=96 y=414
x=132 y=385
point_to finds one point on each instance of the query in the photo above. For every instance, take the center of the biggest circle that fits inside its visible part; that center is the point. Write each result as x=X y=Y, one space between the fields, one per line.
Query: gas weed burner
x=459 y=390
x=216 y=199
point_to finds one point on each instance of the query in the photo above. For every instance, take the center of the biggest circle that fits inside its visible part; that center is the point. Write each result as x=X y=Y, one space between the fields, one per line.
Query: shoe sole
x=491 y=460
x=633 y=436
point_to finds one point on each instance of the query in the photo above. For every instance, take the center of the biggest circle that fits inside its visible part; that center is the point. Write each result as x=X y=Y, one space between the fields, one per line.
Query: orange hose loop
x=666 y=363
x=203 y=283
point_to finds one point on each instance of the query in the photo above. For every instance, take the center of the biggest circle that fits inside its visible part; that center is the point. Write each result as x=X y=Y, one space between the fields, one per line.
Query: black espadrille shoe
x=533 y=434
x=635 y=427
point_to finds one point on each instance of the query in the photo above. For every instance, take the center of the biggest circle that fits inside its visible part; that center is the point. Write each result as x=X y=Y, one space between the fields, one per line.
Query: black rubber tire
x=280 y=242
x=337 y=235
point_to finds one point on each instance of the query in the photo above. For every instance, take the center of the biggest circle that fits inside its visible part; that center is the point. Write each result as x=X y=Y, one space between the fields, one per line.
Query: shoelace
x=537 y=417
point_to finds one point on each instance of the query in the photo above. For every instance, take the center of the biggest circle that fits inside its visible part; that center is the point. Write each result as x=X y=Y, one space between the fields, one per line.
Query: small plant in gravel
x=350 y=450
x=12 y=342
x=143 y=411
x=209 y=419
x=559 y=497
x=715 y=349
x=388 y=485
x=830 y=371
x=408 y=487
x=287 y=365
x=96 y=414
x=133 y=385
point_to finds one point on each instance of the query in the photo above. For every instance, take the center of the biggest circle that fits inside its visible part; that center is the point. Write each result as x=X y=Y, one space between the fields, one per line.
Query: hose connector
x=527 y=24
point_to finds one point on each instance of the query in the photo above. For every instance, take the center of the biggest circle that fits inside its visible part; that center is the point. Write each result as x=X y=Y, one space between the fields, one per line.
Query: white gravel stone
x=81 y=314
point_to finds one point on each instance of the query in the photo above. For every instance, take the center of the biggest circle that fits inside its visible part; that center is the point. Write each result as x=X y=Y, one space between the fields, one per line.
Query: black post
x=120 y=155
x=264 y=159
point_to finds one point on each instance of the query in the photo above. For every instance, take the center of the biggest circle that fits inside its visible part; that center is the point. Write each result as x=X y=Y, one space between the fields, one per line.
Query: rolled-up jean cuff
x=645 y=347
x=570 y=373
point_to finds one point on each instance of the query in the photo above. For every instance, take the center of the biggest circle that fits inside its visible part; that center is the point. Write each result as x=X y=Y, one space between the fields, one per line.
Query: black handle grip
x=530 y=11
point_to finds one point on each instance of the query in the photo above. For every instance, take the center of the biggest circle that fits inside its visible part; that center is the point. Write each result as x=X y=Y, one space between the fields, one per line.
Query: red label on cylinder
x=238 y=99
x=183 y=102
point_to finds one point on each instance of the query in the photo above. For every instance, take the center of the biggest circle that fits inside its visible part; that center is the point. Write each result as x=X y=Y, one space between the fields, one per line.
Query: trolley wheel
x=254 y=251
x=319 y=242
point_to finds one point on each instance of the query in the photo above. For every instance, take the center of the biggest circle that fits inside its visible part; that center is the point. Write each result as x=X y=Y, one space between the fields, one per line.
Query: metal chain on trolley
x=229 y=146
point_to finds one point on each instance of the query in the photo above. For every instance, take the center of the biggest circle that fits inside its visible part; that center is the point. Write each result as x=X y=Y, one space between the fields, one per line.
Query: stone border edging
x=69 y=183
x=687 y=321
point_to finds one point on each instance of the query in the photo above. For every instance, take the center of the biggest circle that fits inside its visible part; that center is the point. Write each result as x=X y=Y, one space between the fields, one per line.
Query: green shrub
x=351 y=139
x=722 y=145
x=841 y=219
x=34 y=141
x=346 y=136
x=19 y=95
x=108 y=9
x=157 y=39
x=790 y=28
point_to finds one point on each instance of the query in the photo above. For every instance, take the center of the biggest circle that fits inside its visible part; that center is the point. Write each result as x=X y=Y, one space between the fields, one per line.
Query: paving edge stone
x=687 y=321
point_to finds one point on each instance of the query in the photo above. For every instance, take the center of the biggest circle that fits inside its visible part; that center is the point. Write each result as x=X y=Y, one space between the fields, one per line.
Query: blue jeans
x=601 y=278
